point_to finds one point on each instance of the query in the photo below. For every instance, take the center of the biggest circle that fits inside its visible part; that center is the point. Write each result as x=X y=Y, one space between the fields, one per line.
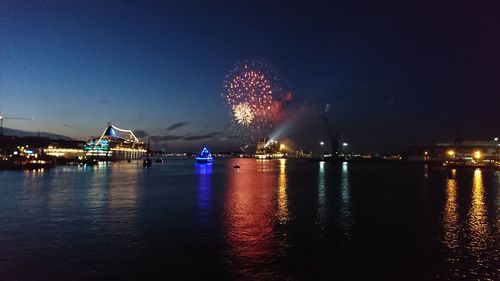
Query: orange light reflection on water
x=450 y=216
x=477 y=217
x=251 y=213
x=283 y=215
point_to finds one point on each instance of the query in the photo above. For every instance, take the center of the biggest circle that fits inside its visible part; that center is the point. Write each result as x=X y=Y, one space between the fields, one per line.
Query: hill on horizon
x=21 y=133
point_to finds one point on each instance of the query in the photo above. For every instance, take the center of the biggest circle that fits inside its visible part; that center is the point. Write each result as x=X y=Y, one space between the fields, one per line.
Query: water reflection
x=249 y=218
x=96 y=196
x=477 y=217
x=283 y=215
x=33 y=196
x=426 y=171
x=204 y=172
x=122 y=197
x=471 y=250
x=321 y=212
x=345 y=206
x=450 y=216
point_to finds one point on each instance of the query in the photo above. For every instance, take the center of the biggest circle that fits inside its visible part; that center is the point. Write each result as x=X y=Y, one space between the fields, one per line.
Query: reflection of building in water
x=282 y=196
x=30 y=190
x=321 y=212
x=97 y=183
x=122 y=187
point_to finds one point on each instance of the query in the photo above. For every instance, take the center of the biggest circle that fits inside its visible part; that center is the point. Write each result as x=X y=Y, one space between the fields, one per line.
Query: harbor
x=249 y=141
x=37 y=153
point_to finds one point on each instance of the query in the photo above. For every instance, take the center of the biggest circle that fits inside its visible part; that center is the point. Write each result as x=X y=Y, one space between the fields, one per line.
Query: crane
x=2 y=117
x=334 y=140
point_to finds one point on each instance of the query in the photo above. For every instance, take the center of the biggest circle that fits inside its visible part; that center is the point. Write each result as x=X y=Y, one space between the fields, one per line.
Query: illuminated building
x=463 y=152
x=268 y=149
x=63 y=152
x=110 y=146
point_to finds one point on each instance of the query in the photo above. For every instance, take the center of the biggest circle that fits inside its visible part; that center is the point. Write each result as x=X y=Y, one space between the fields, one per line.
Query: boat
x=237 y=166
x=110 y=146
x=204 y=157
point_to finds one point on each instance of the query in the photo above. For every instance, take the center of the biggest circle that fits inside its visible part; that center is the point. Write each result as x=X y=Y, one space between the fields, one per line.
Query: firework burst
x=252 y=93
x=243 y=113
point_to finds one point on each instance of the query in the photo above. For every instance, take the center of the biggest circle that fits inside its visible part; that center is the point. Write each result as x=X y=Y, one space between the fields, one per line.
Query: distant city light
x=426 y=153
x=451 y=153
x=321 y=143
x=477 y=154
x=344 y=144
x=496 y=139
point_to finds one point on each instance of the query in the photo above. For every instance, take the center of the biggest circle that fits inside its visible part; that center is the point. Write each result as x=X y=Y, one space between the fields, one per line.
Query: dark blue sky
x=393 y=73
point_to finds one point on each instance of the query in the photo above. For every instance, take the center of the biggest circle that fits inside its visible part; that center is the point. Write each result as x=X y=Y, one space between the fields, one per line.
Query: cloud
x=66 y=125
x=187 y=137
x=140 y=133
x=177 y=125
x=232 y=137
x=201 y=137
x=165 y=138
x=104 y=101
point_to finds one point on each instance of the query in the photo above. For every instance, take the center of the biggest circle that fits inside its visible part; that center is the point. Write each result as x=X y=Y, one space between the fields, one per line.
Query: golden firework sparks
x=243 y=113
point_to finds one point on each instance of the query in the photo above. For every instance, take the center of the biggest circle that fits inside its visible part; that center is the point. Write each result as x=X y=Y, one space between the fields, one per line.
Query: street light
x=322 y=144
x=498 y=149
x=451 y=153
x=1 y=125
x=344 y=144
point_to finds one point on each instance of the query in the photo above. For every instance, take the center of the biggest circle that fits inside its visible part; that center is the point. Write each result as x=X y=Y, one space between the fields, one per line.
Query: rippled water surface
x=269 y=220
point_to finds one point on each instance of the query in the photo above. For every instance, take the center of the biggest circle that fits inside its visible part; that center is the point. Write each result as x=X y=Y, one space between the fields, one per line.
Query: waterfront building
x=468 y=151
x=64 y=152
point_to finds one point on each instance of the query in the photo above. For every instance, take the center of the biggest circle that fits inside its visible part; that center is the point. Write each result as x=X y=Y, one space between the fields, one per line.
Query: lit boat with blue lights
x=204 y=157
x=111 y=146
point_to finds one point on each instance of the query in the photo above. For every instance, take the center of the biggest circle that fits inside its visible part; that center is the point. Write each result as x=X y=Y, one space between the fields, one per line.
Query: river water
x=268 y=220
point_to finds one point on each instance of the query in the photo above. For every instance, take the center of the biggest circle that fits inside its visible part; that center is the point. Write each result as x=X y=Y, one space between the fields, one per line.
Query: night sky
x=392 y=73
